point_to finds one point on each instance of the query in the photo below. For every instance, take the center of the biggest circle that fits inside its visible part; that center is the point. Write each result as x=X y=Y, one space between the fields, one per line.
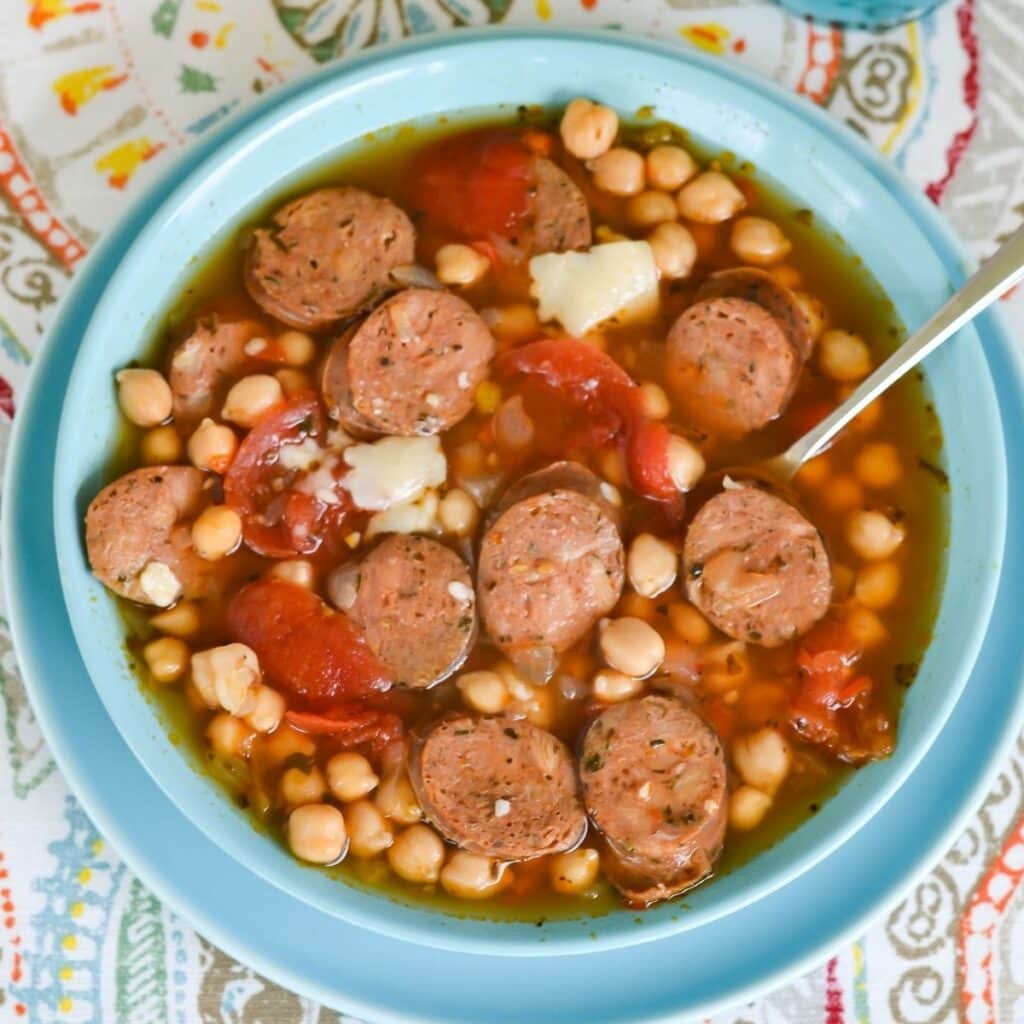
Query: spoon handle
x=994 y=277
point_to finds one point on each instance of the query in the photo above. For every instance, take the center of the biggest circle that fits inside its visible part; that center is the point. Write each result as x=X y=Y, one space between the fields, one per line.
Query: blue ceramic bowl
x=315 y=124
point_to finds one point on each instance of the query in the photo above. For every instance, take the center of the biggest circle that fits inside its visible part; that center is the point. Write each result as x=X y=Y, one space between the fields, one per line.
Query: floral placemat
x=97 y=95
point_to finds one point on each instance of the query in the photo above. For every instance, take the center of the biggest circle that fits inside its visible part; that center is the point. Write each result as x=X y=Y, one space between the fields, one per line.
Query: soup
x=438 y=536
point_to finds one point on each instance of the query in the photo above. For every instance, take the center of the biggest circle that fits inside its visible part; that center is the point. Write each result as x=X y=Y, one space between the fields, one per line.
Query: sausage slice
x=654 y=783
x=327 y=256
x=756 y=567
x=498 y=787
x=561 y=217
x=550 y=566
x=138 y=539
x=563 y=476
x=413 y=600
x=204 y=364
x=412 y=367
x=731 y=365
x=759 y=287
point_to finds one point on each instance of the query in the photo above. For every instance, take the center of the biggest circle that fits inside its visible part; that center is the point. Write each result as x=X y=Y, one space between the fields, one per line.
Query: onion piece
x=412 y=275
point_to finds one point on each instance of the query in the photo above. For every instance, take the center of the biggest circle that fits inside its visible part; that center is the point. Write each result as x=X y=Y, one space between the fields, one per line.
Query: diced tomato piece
x=278 y=520
x=352 y=724
x=306 y=649
x=474 y=185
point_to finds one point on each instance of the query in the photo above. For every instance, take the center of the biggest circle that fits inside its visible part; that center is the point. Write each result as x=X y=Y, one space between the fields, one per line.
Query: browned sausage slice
x=756 y=567
x=731 y=365
x=411 y=367
x=654 y=783
x=564 y=476
x=758 y=286
x=413 y=599
x=138 y=538
x=327 y=256
x=204 y=364
x=498 y=787
x=561 y=217
x=550 y=566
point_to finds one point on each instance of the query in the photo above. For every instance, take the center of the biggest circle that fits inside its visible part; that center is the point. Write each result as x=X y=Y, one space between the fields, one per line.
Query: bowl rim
x=423 y=924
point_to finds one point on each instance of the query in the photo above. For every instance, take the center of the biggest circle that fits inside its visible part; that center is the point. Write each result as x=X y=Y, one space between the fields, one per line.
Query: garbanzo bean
x=251 y=397
x=144 y=396
x=217 y=532
x=632 y=646
x=611 y=687
x=710 y=198
x=588 y=129
x=655 y=400
x=674 y=249
x=517 y=320
x=814 y=313
x=469 y=876
x=685 y=462
x=166 y=658
x=227 y=676
x=287 y=742
x=316 y=833
x=300 y=787
x=844 y=356
x=228 y=736
x=395 y=798
x=669 y=167
x=620 y=171
x=865 y=626
x=457 y=513
x=417 y=855
x=650 y=208
x=160 y=446
x=293 y=382
x=689 y=624
x=298 y=348
x=763 y=758
x=368 y=831
x=814 y=472
x=181 y=620
x=483 y=691
x=877 y=584
x=842 y=492
x=651 y=565
x=267 y=711
x=759 y=241
x=297 y=571
x=747 y=808
x=350 y=776
x=212 y=446
x=878 y=465
x=460 y=265
x=574 y=872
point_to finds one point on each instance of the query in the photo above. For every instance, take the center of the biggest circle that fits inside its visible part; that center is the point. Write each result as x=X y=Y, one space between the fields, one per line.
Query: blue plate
x=310 y=124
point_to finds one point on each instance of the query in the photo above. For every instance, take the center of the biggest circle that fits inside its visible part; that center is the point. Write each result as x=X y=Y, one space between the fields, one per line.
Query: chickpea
x=460 y=265
x=229 y=737
x=417 y=855
x=294 y=570
x=487 y=397
x=814 y=472
x=865 y=627
x=620 y=171
x=631 y=646
x=670 y=167
x=160 y=446
x=814 y=313
x=299 y=787
x=166 y=658
x=217 y=532
x=611 y=687
x=144 y=396
x=869 y=418
x=458 y=513
x=227 y=677
x=656 y=405
x=368 y=832
x=316 y=833
x=787 y=275
x=685 y=462
x=470 y=876
x=212 y=446
x=287 y=742
x=710 y=198
x=604 y=234
x=483 y=691
x=297 y=347
x=759 y=241
x=878 y=464
x=613 y=468
x=842 y=493
x=251 y=397
x=181 y=620
x=763 y=759
x=632 y=603
x=726 y=667
x=674 y=249
x=293 y=382
x=651 y=208
x=843 y=578
x=574 y=872
x=843 y=356
x=652 y=565
x=518 y=320
x=396 y=799
x=267 y=711
x=747 y=808
x=588 y=129
x=350 y=776
x=689 y=624
x=877 y=584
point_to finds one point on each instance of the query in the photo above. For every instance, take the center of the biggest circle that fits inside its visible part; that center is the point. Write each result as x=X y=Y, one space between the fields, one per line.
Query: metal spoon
x=992 y=279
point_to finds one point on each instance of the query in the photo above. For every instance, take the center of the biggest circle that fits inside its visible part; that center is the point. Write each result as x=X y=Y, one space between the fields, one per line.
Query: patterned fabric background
x=95 y=95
